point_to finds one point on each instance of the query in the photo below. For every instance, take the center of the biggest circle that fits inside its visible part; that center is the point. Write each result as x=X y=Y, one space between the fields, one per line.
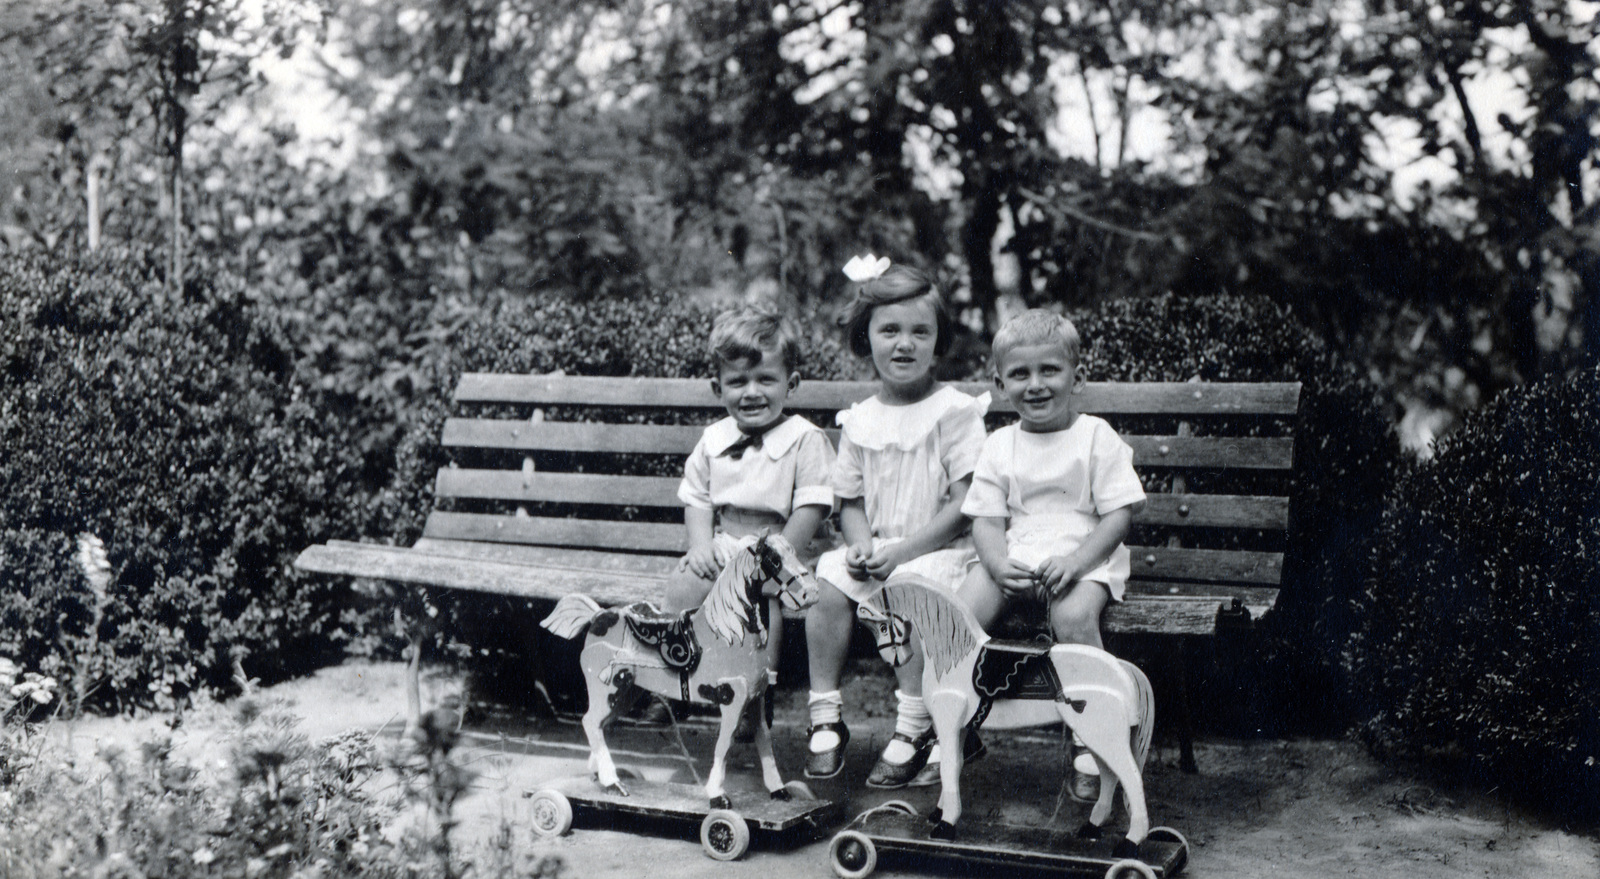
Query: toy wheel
x=900 y=806
x=799 y=790
x=1167 y=834
x=1128 y=868
x=853 y=855
x=552 y=813
x=724 y=835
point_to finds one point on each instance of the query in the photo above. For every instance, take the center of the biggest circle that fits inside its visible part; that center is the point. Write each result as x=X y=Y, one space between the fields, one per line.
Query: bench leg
x=1185 y=716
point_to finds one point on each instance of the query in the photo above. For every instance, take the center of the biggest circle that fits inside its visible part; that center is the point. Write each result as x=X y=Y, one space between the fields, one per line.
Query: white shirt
x=902 y=459
x=791 y=469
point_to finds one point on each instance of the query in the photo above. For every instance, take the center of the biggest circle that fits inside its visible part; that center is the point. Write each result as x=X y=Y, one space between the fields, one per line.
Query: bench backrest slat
x=1109 y=398
x=1195 y=510
x=1257 y=453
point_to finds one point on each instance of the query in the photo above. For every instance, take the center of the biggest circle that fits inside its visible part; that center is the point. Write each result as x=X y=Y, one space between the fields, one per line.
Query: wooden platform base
x=669 y=808
x=894 y=832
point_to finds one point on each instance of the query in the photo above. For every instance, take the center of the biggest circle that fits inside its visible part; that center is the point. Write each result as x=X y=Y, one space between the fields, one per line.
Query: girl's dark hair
x=897 y=284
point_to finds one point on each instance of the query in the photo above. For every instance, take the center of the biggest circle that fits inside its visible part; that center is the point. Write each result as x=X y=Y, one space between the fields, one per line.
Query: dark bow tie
x=736 y=449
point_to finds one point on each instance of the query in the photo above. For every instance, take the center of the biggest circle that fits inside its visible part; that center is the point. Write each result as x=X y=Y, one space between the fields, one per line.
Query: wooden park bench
x=556 y=486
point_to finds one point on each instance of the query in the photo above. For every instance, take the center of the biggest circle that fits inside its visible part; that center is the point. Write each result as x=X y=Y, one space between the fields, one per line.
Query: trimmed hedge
x=1479 y=618
x=174 y=431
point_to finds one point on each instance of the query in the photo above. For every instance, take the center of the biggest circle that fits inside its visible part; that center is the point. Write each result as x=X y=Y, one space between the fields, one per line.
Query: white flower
x=865 y=268
x=96 y=567
x=204 y=856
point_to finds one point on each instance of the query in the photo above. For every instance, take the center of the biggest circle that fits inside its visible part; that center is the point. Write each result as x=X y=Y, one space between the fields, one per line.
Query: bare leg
x=1075 y=616
x=980 y=594
x=829 y=624
x=685 y=591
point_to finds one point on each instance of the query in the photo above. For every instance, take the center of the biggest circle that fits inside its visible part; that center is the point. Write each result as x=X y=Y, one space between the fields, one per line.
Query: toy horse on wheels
x=1105 y=701
x=713 y=654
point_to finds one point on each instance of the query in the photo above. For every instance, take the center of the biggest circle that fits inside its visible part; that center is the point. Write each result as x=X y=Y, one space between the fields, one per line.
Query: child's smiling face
x=903 y=336
x=755 y=393
x=1043 y=382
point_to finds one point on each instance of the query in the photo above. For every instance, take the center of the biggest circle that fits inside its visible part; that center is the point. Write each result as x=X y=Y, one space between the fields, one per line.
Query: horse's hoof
x=721 y=801
x=781 y=794
x=936 y=816
x=616 y=790
x=1089 y=831
x=943 y=830
x=1127 y=848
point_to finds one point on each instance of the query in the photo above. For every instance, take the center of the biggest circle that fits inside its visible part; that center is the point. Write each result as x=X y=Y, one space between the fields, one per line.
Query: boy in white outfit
x=1052 y=496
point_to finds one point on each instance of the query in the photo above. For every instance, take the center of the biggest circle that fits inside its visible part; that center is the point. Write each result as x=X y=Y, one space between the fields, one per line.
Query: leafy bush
x=176 y=432
x=1479 y=636
x=281 y=807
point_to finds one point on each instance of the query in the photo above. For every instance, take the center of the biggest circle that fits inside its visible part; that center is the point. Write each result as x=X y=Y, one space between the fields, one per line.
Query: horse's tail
x=572 y=615
x=1147 y=713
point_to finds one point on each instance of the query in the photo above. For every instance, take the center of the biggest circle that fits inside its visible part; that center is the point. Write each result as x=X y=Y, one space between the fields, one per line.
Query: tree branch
x=1074 y=214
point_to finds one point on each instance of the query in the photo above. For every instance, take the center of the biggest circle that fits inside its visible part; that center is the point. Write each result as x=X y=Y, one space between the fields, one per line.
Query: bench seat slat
x=1149 y=398
x=1148 y=562
x=1197 y=510
x=602 y=534
x=1257 y=453
x=1185 y=614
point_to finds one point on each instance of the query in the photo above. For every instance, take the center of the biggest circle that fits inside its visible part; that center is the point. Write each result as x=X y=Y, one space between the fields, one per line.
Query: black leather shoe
x=828 y=763
x=895 y=775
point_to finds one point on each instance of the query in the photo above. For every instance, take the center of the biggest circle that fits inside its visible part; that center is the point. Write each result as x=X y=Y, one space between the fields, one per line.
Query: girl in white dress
x=905 y=461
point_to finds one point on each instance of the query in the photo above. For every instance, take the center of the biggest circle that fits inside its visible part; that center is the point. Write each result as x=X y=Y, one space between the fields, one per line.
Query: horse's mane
x=727 y=609
x=948 y=630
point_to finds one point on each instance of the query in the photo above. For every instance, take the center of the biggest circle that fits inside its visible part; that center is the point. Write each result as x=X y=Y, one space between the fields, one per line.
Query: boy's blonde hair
x=744 y=333
x=1036 y=326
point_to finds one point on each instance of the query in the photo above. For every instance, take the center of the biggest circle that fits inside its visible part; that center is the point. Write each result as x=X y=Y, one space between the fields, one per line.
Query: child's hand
x=883 y=562
x=855 y=561
x=703 y=561
x=1015 y=578
x=1057 y=573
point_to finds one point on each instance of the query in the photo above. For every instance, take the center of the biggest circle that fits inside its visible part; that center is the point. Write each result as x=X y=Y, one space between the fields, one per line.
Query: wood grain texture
x=1181 y=510
x=1252 y=453
x=1185 y=614
x=1156 y=398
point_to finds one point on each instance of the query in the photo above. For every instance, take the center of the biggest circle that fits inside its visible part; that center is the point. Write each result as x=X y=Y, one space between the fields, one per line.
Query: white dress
x=1054 y=488
x=901 y=460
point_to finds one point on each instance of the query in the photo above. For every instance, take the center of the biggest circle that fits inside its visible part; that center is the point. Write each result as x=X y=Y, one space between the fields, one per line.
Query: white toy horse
x=713 y=654
x=1100 y=697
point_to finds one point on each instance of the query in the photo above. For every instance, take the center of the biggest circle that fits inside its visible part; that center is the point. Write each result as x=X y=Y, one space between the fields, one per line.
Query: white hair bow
x=865 y=268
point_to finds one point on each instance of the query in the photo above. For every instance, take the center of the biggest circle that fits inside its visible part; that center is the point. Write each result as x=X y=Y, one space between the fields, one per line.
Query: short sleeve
x=987 y=497
x=961 y=436
x=695 y=489
x=1116 y=484
x=848 y=481
x=813 y=470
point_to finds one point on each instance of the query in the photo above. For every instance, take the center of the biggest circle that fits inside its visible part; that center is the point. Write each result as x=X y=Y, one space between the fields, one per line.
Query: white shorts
x=947 y=568
x=1034 y=541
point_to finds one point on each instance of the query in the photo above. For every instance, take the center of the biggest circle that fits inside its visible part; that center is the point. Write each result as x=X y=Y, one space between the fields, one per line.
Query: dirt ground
x=1256 y=809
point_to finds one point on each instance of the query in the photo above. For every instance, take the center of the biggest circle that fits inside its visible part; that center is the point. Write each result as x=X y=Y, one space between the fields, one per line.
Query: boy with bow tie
x=756 y=469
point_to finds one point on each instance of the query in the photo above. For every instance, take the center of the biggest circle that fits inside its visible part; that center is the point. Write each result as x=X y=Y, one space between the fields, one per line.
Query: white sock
x=825 y=708
x=911 y=719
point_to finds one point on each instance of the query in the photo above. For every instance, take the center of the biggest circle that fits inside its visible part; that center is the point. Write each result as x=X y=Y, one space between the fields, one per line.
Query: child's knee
x=1072 y=624
x=685 y=591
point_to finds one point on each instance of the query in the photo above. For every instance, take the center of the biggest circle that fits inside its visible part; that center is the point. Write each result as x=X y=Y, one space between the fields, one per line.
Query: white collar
x=776 y=441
